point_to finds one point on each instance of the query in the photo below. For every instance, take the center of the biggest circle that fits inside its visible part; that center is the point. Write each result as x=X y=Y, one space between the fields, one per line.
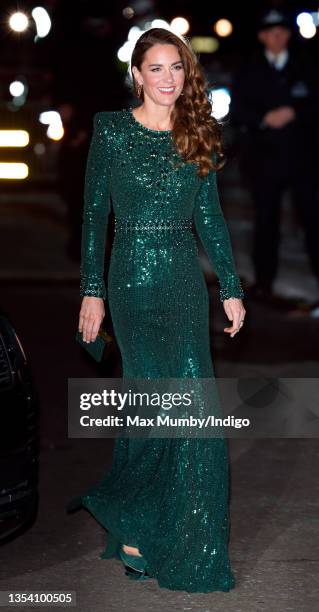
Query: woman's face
x=162 y=74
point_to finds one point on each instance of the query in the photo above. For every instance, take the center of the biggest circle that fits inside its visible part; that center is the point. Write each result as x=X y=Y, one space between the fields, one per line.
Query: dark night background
x=274 y=502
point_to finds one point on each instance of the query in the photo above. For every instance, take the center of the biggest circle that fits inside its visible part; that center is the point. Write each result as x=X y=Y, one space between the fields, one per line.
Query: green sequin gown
x=168 y=497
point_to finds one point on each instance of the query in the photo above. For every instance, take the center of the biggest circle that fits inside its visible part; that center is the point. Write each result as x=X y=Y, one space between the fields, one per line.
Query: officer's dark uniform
x=277 y=158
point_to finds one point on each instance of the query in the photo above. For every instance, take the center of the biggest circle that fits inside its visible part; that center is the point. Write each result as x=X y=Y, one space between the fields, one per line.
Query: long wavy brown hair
x=196 y=133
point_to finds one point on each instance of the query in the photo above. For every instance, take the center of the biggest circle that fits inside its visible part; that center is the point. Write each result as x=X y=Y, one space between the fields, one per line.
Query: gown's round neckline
x=143 y=127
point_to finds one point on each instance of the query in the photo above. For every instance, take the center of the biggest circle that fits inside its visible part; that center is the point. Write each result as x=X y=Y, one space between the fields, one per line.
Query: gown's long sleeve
x=214 y=234
x=96 y=209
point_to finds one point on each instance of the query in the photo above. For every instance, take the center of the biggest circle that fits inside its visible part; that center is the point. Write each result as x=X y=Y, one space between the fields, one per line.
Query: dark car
x=18 y=436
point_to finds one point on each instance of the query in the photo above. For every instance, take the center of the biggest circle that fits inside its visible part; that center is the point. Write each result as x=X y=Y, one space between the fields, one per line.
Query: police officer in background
x=275 y=102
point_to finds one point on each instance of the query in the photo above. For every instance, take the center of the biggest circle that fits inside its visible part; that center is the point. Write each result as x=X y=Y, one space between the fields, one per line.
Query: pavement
x=274 y=543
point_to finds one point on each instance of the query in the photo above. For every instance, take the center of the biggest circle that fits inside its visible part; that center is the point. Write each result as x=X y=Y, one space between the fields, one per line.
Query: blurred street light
x=204 y=44
x=223 y=27
x=18 y=22
x=179 y=25
x=13 y=170
x=53 y=119
x=42 y=21
x=306 y=24
x=16 y=88
x=14 y=138
x=220 y=100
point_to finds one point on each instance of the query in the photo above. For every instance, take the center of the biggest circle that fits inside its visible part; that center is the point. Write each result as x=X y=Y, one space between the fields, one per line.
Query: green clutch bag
x=100 y=348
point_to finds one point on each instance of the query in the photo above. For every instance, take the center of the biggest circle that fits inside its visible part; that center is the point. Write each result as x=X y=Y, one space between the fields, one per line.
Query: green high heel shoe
x=135 y=566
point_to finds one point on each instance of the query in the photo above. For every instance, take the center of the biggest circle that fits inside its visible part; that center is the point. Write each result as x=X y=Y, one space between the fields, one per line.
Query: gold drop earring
x=139 y=90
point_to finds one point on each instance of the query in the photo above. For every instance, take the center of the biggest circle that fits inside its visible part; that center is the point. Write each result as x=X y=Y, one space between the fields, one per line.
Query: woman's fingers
x=236 y=313
x=236 y=326
x=90 y=318
x=88 y=329
x=81 y=322
x=92 y=329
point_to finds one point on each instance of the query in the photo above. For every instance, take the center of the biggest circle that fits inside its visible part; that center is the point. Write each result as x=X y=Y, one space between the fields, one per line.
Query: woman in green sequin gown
x=166 y=497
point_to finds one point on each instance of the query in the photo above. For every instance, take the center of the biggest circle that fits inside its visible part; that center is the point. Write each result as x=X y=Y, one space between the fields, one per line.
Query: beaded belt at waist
x=128 y=225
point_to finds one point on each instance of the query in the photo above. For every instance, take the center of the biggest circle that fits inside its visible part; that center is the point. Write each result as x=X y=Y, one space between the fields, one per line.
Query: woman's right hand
x=91 y=316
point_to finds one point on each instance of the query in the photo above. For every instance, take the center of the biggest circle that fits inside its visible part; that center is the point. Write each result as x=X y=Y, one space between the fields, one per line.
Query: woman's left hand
x=235 y=312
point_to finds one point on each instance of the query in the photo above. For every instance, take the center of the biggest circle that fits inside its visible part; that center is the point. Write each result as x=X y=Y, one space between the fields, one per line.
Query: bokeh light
x=128 y=12
x=14 y=138
x=53 y=119
x=179 y=25
x=220 y=99
x=18 y=22
x=16 y=88
x=223 y=27
x=42 y=21
x=306 y=24
x=204 y=44
x=13 y=170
